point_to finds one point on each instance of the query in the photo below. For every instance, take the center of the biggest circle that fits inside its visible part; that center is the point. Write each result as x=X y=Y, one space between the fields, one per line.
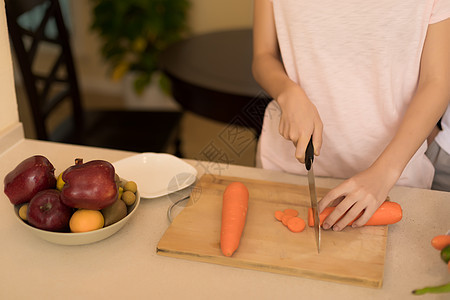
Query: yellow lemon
x=84 y=220
x=59 y=182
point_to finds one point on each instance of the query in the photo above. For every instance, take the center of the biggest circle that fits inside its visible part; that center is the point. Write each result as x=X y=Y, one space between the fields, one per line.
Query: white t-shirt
x=358 y=62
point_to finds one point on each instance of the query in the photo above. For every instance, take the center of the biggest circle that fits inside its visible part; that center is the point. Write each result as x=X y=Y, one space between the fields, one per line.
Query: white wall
x=8 y=105
x=210 y=15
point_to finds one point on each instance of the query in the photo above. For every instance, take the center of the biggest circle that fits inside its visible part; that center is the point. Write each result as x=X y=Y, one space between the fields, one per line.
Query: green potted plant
x=134 y=32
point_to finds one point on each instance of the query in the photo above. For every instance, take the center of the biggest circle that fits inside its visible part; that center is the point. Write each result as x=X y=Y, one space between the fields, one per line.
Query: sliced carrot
x=234 y=212
x=388 y=213
x=322 y=215
x=285 y=219
x=290 y=212
x=296 y=224
x=279 y=215
x=439 y=242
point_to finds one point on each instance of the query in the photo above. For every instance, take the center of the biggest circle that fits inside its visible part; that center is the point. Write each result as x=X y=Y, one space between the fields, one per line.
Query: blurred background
x=108 y=85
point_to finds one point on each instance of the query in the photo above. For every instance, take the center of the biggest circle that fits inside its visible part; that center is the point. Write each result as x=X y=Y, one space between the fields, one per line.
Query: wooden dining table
x=127 y=266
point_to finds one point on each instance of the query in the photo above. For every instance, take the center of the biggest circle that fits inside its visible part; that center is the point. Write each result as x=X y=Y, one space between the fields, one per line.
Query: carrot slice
x=388 y=213
x=296 y=224
x=279 y=215
x=439 y=242
x=285 y=219
x=290 y=212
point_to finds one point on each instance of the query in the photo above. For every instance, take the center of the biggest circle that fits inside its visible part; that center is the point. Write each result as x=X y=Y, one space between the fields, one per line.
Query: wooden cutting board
x=354 y=256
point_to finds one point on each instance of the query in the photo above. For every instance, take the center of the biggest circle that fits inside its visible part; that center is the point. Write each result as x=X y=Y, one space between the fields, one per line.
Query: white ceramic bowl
x=69 y=238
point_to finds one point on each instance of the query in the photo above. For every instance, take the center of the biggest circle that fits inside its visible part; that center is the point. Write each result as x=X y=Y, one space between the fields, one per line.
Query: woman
x=368 y=80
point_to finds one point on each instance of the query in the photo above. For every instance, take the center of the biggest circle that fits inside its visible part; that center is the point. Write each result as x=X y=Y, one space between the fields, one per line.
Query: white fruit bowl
x=69 y=238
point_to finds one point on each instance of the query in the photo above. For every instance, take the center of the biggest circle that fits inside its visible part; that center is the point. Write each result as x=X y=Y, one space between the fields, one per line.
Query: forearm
x=269 y=72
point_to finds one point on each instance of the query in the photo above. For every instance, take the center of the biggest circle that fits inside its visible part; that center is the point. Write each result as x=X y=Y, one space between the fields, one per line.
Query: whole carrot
x=439 y=242
x=234 y=213
x=388 y=213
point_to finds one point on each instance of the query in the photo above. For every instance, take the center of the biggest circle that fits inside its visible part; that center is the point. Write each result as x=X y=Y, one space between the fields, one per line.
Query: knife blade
x=309 y=158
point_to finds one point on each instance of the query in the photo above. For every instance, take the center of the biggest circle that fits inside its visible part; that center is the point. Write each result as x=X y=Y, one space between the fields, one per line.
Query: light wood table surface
x=126 y=266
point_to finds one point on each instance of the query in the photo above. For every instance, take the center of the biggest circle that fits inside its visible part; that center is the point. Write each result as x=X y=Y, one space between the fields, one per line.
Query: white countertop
x=126 y=265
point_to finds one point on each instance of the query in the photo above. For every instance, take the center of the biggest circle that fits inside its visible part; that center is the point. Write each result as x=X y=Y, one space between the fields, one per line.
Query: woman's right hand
x=299 y=120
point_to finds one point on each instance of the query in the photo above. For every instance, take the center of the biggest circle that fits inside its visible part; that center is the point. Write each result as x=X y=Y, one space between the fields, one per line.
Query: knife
x=309 y=158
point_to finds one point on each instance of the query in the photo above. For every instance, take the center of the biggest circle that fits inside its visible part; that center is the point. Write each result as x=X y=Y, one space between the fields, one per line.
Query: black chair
x=140 y=131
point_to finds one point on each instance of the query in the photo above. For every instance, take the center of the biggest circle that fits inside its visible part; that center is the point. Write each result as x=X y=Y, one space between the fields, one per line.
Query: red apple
x=46 y=211
x=32 y=175
x=90 y=185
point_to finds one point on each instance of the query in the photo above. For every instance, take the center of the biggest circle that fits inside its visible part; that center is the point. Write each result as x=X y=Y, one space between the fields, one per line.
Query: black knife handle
x=309 y=155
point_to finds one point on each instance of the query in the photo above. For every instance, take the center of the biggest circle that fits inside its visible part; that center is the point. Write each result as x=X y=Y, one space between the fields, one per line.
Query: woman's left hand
x=362 y=193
